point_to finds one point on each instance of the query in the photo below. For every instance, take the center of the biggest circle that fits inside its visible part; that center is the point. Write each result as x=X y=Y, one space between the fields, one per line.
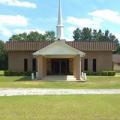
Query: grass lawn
x=1 y=73
x=83 y=107
x=94 y=82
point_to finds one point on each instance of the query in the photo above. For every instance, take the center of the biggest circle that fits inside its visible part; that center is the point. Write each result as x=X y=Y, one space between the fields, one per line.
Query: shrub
x=104 y=73
x=108 y=73
x=111 y=73
x=93 y=73
x=12 y=73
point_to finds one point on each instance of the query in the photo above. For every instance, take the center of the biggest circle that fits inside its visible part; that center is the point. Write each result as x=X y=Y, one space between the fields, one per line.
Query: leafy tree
x=15 y=37
x=34 y=36
x=113 y=38
x=100 y=36
x=94 y=35
x=77 y=34
x=84 y=35
x=3 y=56
x=107 y=33
x=50 y=35
x=118 y=49
x=87 y=34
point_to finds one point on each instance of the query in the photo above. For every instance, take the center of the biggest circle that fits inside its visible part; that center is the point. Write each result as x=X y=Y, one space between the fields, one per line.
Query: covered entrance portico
x=59 y=59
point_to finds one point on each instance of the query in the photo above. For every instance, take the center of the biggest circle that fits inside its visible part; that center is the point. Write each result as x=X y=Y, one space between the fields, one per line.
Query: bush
x=93 y=73
x=111 y=73
x=12 y=73
x=104 y=73
x=108 y=73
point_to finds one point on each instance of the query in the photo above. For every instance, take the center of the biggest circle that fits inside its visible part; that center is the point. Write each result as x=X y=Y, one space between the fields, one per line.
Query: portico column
x=77 y=67
x=44 y=67
x=40 y=67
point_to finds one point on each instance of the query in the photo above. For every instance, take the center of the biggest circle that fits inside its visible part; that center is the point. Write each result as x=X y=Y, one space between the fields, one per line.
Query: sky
x=18 y=16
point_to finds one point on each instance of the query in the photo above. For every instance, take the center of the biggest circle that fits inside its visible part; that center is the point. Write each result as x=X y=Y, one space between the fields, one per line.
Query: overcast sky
x=18 y=16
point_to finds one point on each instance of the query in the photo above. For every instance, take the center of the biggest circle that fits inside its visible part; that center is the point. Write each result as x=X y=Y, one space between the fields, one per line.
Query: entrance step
x=59 y=78
x=70 y=77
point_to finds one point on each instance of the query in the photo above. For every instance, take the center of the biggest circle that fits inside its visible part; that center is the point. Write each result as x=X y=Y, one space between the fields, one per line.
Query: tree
x=77 y=34
x=118 y=49
x=3 y=56
x=34 y=36
x=94 y=35
x=107 y=33
x=50 y=35
x=15 y=38
x=113 y=38
x=100 y=36
x=87 y=34
x=82 y=35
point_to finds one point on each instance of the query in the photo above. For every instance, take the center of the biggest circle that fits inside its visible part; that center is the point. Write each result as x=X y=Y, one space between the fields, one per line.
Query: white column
x=77 y=67
x=40 y=67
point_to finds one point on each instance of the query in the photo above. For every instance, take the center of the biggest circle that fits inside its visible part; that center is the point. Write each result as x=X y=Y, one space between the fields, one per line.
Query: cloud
x=117 y=36
x=69 y=33
x=71 y=29
x=95 y=19
x=5 y=32
x=18 y=3
x=9 y=20
x=107 y=15
x=84 y=22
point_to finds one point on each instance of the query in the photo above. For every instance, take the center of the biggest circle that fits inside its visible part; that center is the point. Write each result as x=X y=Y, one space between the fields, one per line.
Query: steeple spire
x=60 y=26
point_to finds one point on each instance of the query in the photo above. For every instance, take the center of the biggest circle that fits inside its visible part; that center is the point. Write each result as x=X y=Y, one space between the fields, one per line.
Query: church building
x=60 y=57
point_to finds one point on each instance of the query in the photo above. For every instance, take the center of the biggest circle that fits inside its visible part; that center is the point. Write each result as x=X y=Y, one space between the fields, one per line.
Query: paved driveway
x=34 y=91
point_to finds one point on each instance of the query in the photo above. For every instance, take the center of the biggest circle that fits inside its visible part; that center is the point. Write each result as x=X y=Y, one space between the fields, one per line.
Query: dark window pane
x=25 y=65
x=86 y=65
x=94 y=65
x=34 y=65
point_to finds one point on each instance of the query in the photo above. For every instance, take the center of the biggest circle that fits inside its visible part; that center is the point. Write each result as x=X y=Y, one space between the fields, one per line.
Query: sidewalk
x=35 y=91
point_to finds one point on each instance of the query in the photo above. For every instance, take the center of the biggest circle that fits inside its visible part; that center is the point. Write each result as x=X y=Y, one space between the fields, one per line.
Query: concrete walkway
x=34 y=91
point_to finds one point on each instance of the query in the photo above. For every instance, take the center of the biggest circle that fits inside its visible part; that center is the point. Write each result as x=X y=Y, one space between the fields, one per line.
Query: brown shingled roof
x=83 y=46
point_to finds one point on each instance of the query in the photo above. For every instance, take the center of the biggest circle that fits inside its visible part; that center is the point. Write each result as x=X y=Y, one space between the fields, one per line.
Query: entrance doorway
x=60 y=66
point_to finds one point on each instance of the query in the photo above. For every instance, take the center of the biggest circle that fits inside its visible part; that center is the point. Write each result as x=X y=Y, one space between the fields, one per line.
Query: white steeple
x=60 y=27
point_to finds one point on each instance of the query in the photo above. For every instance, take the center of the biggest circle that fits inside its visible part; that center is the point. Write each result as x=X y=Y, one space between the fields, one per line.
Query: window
x=94 y=65
x=25 y=65
x=34 y=65
x=86 y=65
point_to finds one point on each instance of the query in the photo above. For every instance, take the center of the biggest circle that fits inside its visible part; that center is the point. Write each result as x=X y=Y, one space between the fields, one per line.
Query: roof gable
x=58 y=48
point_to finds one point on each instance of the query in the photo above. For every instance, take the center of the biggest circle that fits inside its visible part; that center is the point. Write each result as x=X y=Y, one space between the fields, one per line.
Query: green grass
x=94 y=82
x=118 y=73
x=1 y=73
x=83 y=107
